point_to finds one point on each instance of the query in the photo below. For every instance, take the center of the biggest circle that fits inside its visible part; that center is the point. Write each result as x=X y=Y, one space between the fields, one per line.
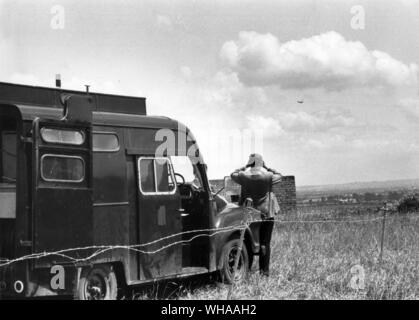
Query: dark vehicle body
x=81 y=182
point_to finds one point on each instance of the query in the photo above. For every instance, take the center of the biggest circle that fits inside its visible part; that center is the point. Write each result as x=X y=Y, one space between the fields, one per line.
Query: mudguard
x=233 y=216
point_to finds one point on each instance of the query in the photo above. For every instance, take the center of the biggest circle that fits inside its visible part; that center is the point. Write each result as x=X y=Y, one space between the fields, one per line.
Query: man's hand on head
x=236 y=172
x=272 y=170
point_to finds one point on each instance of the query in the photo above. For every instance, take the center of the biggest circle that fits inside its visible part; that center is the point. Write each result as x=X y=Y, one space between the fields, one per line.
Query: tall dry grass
x=316 y=260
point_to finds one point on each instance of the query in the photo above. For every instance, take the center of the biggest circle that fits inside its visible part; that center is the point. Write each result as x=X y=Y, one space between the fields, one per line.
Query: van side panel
x=110 y=194
x=56 y=226
x=109 y=171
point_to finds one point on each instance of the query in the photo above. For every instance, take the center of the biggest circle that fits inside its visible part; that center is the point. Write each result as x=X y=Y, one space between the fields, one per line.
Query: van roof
x=30 y=112
x=51 y=98
x=109 y=109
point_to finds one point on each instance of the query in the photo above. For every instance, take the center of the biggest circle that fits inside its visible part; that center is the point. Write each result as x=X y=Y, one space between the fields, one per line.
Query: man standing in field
x=256 y=182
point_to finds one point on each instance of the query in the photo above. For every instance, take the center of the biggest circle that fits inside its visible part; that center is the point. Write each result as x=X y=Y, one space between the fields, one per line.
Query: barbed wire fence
x=203 y=233
x=198 y=233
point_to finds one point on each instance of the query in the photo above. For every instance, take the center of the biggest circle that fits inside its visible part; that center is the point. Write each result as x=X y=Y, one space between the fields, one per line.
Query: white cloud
x=318 y=121
x=409 y=3
x=326 y=131
x=301 y=122
x=269 y=126
x=186 y=72
x=410 y=107
x=324 y=142
x=164 y=21
x=326 y=61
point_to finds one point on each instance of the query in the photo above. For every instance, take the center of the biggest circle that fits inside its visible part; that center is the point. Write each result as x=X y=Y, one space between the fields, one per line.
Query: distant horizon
x=355 y=182
x=345 y=183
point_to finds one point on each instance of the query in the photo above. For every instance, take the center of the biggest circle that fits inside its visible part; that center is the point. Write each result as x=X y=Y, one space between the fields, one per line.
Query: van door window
x=156 y=176
x=190 y=185
x=147 y=183
x=8 y=156
x=60 y=136
x=59 y=168
x=183 y=166
x=105 y=142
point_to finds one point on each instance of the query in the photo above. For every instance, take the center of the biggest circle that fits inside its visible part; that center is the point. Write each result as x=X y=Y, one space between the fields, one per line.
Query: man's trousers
x=265 y=235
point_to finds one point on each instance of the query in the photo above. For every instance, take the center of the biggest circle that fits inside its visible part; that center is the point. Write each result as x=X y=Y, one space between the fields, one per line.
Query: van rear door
x=62 y=201
x=8 y=175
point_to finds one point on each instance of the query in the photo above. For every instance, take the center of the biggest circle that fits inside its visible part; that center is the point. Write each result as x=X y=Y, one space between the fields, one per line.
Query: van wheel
x=97 y=283
x=229 y=254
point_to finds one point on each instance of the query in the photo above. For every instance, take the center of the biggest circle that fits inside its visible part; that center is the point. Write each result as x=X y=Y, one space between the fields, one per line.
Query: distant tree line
x=409 y=203
x=359 y=197
x=365 y=197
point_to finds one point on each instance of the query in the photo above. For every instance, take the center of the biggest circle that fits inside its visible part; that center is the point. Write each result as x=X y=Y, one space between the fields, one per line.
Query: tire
x=97 y=283
x=251 y=259
x=228 y=255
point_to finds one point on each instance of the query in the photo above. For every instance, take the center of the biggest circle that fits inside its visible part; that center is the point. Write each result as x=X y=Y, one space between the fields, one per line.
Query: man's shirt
x=256 y=183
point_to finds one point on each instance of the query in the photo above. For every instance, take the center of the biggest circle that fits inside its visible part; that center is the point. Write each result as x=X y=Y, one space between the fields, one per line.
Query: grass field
x=324 y=261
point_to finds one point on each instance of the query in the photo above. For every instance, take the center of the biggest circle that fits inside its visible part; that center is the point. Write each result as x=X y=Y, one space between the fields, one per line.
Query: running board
x=193 y=270
x=186 y=272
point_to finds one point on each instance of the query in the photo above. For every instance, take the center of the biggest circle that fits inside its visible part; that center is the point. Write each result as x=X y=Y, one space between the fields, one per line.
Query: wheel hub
x=231 y=260
x=95 y=288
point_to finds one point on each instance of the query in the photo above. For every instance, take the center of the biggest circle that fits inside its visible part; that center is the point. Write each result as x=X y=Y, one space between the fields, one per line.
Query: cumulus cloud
x=326 y=61
x=319 y=121
x=301 y=122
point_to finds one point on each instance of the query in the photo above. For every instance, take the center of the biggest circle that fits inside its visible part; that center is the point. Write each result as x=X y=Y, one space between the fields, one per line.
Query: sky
x=327 y=91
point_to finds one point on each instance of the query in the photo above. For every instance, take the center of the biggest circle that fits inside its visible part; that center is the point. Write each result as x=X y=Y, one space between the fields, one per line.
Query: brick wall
x=284 y=190
x=286 y=194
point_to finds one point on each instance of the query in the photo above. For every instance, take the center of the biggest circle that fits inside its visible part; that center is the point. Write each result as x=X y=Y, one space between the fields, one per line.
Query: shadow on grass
x=170 y=289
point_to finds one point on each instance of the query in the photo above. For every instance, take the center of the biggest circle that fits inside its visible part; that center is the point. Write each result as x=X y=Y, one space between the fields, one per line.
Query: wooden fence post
x=383 y=229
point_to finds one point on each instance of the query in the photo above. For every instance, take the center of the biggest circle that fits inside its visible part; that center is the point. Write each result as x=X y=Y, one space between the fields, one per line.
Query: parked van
x=85 y=180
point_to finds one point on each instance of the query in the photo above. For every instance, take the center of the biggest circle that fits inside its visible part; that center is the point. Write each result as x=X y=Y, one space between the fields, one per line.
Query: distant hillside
x=360 y=186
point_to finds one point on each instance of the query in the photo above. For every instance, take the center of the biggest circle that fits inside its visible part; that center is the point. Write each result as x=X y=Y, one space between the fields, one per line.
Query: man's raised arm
x=276 y=175
x=235 y=176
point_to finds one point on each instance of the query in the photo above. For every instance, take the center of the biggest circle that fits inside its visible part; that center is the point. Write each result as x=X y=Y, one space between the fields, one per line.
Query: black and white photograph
x=209 y=154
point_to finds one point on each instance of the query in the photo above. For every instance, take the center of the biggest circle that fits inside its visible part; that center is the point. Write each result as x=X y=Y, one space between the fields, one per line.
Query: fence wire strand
x=211 y=232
